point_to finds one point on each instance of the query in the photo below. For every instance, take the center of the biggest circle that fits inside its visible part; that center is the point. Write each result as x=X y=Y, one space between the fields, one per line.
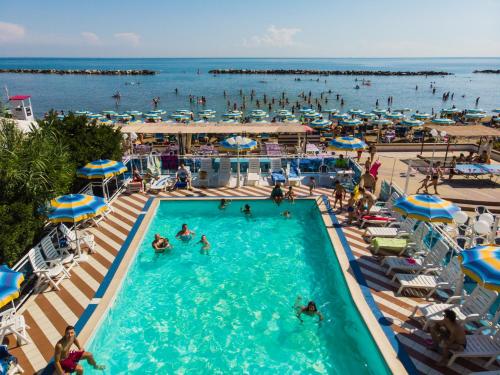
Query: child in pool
x=205 y=245
x=224 y=203
x=160 y=244
x=286 y=214
x=246 y=209
x=290 y=195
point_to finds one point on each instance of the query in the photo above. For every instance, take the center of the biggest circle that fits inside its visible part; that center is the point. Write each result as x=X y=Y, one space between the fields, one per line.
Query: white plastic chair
x=54 y=255
x=13 y=323
x=480 y=345
x=205 y=173
x=83 y=236
x=53 y=273
x=224 y=174
x=252 y=177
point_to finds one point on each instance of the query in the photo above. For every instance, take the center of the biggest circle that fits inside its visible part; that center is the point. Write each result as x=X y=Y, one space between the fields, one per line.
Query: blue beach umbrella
x=82 y=113
x=109 y=113
x=394 y=115
x=331 y=110
x=382 y=121
x=355 y=111
x=102 y=168
x=10 y=283
x=379 y=111
x=340 y=116
x=496 y=110
x=368 y=116
x=134 y=113
x=412 y=123
x=346 y=143
x=474 y=110
x=450 y=111
x=424 y=207
x=421 y=116
x=95 y=116
x=351 y=122
x=311 y=115
x=474 y=115
x=320 y=123
x=443 y=121
x=482 y=264
x=306 y=110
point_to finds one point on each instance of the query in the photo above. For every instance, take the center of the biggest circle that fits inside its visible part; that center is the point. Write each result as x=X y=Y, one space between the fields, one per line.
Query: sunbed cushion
x=389 y=244
x=377 y=218
x=279 y=177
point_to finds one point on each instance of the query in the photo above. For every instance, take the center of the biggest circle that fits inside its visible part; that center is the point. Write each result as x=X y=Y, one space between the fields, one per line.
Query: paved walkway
x=48 y=313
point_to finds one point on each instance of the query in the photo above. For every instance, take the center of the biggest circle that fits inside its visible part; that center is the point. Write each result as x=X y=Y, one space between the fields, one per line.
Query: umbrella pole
x=407 y=182
x=238 y=167
x=81 y=257
x=392 y=173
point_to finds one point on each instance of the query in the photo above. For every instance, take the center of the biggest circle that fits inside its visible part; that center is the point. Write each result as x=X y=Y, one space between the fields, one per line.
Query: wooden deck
x=49 y=312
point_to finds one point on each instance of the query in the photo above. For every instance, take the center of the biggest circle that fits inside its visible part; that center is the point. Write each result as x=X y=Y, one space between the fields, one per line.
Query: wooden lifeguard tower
x=20 y=106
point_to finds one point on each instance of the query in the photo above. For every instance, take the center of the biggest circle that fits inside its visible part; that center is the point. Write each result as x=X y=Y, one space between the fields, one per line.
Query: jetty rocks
x=488 y=71
x=328 y=72
x=97 y=72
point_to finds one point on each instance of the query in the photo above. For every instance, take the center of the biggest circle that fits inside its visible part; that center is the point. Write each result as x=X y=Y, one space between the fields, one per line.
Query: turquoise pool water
x=231 y=310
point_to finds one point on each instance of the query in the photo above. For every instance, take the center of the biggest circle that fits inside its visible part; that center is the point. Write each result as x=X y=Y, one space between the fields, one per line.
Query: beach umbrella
x=306 y=110
x=443 y=121
x=320 y=123
x=184 y=112
x=180 y=116
x=134 y=113
x=346 y=143
x=236 y=114
x=331 y=111
x=394 y=115
x=482 y=264
x=340 y=116
x=421 y=116
x=10 y=283
x=229 y=121
x=382 y=121
x=368 y=116
x=109 y=113
x=258 y=113
x=496 y=110
x=123 y=117
x=351 y=122
x=238 y=144
x=450 y=111
x=474 y=110
x=82 y=113
x=152 y=117
x=425 y=207
x=412 y=123
x=158 y=111
x=355 y=111
x=102 y=168
x=94 y=116
x=475 y=115
x=403 y=110
x=291 y=119
x=73 y=208
x=311 y=115
x=379 y=111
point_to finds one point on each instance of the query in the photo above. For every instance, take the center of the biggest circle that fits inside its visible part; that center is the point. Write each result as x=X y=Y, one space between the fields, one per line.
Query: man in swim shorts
x=277 y=194
x=66 y=361
x=185 y=234
x=449 y=335
x=160 y=244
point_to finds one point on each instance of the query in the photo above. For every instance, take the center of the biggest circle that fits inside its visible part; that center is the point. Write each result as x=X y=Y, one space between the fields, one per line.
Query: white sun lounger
x=54 y=255
x=13 y=323
x=83 y=236
x=224 y=174
x=480 y=345
x=385 y=207
x=160 y=185
x=472 y=307
x=446 y=279
x=252 y=177
x=422 y=262
x=53 y=273
x=205 y=173
x=394 y=229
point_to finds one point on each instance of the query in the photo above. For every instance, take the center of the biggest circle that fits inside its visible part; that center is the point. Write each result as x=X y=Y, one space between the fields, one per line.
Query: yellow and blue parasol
x=482 y=264
x=424 y=207
x=10 y=283
x=73 y=208
x=238 y=143
x=346 y=143
x=101 y=168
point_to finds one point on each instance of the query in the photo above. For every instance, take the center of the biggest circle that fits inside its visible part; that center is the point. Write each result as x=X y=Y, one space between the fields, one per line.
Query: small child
x=312 y=185
x=205 y=245
x=286 y=214
x=424 y=184
x=224 y=203
x=339 y=194
x=290 y=195
x=351 y=208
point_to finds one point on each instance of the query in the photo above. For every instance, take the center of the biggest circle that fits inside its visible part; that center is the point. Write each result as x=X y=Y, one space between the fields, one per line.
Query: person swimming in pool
x=310 y=310
x=185 y=234
x=205 y=245
x=224 y=203
x=160 y=244
x=286 y=214
x=246 y=210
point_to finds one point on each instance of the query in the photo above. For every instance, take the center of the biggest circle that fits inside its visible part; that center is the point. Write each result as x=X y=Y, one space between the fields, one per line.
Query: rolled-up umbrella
x=102 y=168
x=10 y=283
x=482 y=264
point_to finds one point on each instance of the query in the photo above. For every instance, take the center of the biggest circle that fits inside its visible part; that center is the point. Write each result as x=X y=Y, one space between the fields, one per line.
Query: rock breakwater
x=97 y=72
x=328 y=72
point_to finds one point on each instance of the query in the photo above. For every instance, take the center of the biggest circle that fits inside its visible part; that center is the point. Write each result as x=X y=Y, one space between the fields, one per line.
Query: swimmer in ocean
x=185 y=234
x=310 y=309
x=205 y=245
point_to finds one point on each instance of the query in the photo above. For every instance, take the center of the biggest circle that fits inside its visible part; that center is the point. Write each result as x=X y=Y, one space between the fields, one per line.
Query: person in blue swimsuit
x=185 y=234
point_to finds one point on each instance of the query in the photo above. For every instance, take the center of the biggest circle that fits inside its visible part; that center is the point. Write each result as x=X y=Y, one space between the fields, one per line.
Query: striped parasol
x=421 y=116
x=351 y=122
x=346 y=143
x=340 y=116
x=10 y=283
x=443 y=121
x=424 y=207
x=73 y=208
x=394 y=115
x=482 y=264
x=102 y=168
x=320 y=123
x=412 y=123
x=238 y=143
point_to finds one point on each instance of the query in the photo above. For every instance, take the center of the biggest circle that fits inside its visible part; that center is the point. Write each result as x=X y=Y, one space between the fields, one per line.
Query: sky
x=257 y=28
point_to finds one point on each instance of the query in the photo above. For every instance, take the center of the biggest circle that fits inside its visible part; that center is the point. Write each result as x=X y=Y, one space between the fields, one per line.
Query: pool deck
x=49 y=312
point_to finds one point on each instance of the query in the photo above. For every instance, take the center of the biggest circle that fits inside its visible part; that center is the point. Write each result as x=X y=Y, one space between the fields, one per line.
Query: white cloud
x=10 y=32
x=131 y=38
x=91 y=38
x=274 y=37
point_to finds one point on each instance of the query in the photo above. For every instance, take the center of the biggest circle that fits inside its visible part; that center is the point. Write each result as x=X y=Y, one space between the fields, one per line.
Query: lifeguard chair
x=20 y=106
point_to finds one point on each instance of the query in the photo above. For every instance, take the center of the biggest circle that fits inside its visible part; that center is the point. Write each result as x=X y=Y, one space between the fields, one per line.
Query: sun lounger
x=480 y=345
x=376 y=220
x=384 y=207
x=205 y=173
x=393 y=229
x=392 y=245
x=224 y=174
x=160 y=185
x=277 y=172
x=56 y=256
x=8 y=363
x=53 y=273
x=293 y=173
x=421 y=262
x=446 y=279
x=252 y=177
x=13 y=323
x=83 y=236
x=472 y=307
x=103 y=215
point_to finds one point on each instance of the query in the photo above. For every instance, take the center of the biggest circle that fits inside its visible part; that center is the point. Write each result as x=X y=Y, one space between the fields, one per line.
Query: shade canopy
x=346 y=143
x=73 y=208
x=102 y=168
x=469 y=131
x=426 y=207
x=10 y=283
x=482 y=264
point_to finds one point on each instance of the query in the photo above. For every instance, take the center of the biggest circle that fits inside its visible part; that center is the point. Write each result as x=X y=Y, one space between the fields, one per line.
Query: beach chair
x=13 y=323
x=103 y=215
x=324 y=176
x=446 y=280
x=484 y=343
x=205 y=173
x=394 y=229
x=376 y=220
x=53 y=273
x=83 y=237
x=9 y=364
x=224 y=174
x=277 y=172
x=385 y=207
x=252 y=177
x=293 y=173
x=421 y=262
x=56 y=256
x=400 y=245
x=160 y=185
x=470 y=308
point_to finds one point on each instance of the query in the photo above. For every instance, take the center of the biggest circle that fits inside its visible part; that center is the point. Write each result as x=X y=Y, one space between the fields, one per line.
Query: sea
x=191 y=78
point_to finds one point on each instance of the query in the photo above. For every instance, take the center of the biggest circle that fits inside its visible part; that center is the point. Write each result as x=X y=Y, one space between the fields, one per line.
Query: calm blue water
x=94 y=93
x=231 y=311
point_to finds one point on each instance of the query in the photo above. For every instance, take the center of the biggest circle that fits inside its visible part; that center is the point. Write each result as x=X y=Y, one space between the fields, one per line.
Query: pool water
x=231 y=310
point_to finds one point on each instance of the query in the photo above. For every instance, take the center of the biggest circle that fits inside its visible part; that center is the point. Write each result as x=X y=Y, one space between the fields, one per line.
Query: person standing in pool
x=290 y=195
x=160 y=244
x=246 y=210
x=185 y=234
x=205 y=245
x=224 y=203
x=277 y=194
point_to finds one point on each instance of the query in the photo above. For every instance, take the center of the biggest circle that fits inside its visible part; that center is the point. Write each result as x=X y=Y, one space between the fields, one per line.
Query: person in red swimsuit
x=66 y=360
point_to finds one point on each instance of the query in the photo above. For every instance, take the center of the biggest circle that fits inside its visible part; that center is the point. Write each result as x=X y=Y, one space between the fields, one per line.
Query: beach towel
x=374 y=168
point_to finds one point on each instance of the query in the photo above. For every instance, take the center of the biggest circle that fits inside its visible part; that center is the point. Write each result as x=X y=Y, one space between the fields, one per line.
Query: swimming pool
x=231 y=311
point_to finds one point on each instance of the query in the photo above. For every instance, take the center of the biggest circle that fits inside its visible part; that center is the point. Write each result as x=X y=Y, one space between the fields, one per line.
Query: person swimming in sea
x=160 y=244
x=205 y=245
x=310 y=309
x=246 y=209
x=224 y=203
x=185 y=234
